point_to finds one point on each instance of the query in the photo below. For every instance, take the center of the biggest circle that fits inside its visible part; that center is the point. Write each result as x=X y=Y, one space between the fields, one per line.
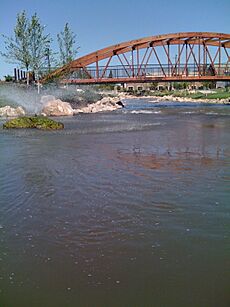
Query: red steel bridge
x=189 y=56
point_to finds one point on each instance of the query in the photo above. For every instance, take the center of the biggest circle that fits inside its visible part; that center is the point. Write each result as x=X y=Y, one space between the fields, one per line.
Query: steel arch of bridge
x=189 y=56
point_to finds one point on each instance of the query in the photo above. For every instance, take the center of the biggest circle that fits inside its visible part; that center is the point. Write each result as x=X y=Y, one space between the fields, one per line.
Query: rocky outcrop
x=38 y=122
x=47 y=98
x=103 y=105
x=189 y=99
x=8 y=111
x=57 y=107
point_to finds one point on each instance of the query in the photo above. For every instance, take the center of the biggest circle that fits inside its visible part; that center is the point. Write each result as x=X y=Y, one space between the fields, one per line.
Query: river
x=128 y=208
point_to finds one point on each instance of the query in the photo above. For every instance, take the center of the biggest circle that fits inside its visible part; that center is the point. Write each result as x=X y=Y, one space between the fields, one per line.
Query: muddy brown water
x=129 y=208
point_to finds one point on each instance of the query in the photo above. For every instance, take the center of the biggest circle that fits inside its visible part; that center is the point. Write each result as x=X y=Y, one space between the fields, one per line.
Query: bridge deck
x=149 y=73
x=145 y=80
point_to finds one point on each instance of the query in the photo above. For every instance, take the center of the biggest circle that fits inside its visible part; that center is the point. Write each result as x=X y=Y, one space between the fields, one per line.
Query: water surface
x=129 y=208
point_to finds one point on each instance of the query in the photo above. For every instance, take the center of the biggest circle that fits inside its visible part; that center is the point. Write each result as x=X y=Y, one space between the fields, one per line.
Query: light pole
x=48 y=59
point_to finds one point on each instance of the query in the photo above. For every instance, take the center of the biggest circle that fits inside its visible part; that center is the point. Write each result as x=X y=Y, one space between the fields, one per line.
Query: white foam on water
x=189 y=112
x=145 y=112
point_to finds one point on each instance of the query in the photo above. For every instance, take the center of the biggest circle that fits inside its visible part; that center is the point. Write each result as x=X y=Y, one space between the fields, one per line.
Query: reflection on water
x=183 y=161
x=119 y=209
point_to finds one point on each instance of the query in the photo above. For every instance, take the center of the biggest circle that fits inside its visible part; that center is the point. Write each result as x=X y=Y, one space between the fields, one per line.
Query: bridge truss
x=190 y=56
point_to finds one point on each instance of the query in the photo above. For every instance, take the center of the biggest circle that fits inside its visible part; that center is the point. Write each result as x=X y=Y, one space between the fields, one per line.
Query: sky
x=101 y=23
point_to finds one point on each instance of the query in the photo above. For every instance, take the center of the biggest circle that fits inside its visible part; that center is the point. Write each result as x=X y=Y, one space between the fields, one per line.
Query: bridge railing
x=150 y=70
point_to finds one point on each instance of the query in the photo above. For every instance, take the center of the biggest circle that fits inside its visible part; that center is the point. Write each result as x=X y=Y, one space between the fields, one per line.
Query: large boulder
x=8 y=111
x=103 y=105
x=47 y=98
x=57 y=107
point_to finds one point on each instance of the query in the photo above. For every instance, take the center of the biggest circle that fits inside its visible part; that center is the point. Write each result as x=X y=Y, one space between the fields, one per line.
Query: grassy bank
x=219 y=94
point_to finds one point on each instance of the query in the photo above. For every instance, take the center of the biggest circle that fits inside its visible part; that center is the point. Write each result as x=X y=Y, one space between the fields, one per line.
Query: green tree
x=66 y=41
x=153 y=86
x=28 y=47
x=209 y=84
x=17 y=47
x=39 y=43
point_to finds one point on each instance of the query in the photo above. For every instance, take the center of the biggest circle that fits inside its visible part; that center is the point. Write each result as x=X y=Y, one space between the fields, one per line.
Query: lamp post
x=48 y=59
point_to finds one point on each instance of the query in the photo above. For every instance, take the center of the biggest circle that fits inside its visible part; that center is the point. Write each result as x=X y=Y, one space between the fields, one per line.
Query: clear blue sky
x=99 y=23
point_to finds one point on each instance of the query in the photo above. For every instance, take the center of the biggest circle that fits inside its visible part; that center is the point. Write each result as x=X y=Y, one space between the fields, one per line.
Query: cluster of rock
x=8 y=111
x=188 y=99
x=57 y=107
x=103 y=105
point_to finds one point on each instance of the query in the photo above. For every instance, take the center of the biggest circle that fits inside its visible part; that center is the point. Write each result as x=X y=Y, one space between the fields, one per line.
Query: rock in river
x=8 y=111
x=57 y=107
x=47 y=98
x=103 y=105
x=39 y=122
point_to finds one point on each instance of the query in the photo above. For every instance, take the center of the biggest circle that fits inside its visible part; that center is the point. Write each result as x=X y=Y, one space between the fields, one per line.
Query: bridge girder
x=184 y=40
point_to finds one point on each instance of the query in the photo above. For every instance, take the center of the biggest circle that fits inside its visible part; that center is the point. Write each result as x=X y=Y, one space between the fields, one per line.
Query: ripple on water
x=113 y=197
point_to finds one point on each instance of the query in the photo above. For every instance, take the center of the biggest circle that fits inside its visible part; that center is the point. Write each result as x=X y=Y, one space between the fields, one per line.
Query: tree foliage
x=28 y=46
x=17 y=47
x=66 y=42
x=39 y=43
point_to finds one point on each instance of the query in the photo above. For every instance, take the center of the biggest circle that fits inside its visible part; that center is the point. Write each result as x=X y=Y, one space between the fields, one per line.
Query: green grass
x=38 y=122
x=180 y=94
x=219 y=94
x=197 y=95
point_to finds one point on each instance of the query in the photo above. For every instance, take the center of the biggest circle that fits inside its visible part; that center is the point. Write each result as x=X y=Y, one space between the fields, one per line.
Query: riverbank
x=222 y=97
x=188 y=99
x=51 y=106
x=63 y=102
